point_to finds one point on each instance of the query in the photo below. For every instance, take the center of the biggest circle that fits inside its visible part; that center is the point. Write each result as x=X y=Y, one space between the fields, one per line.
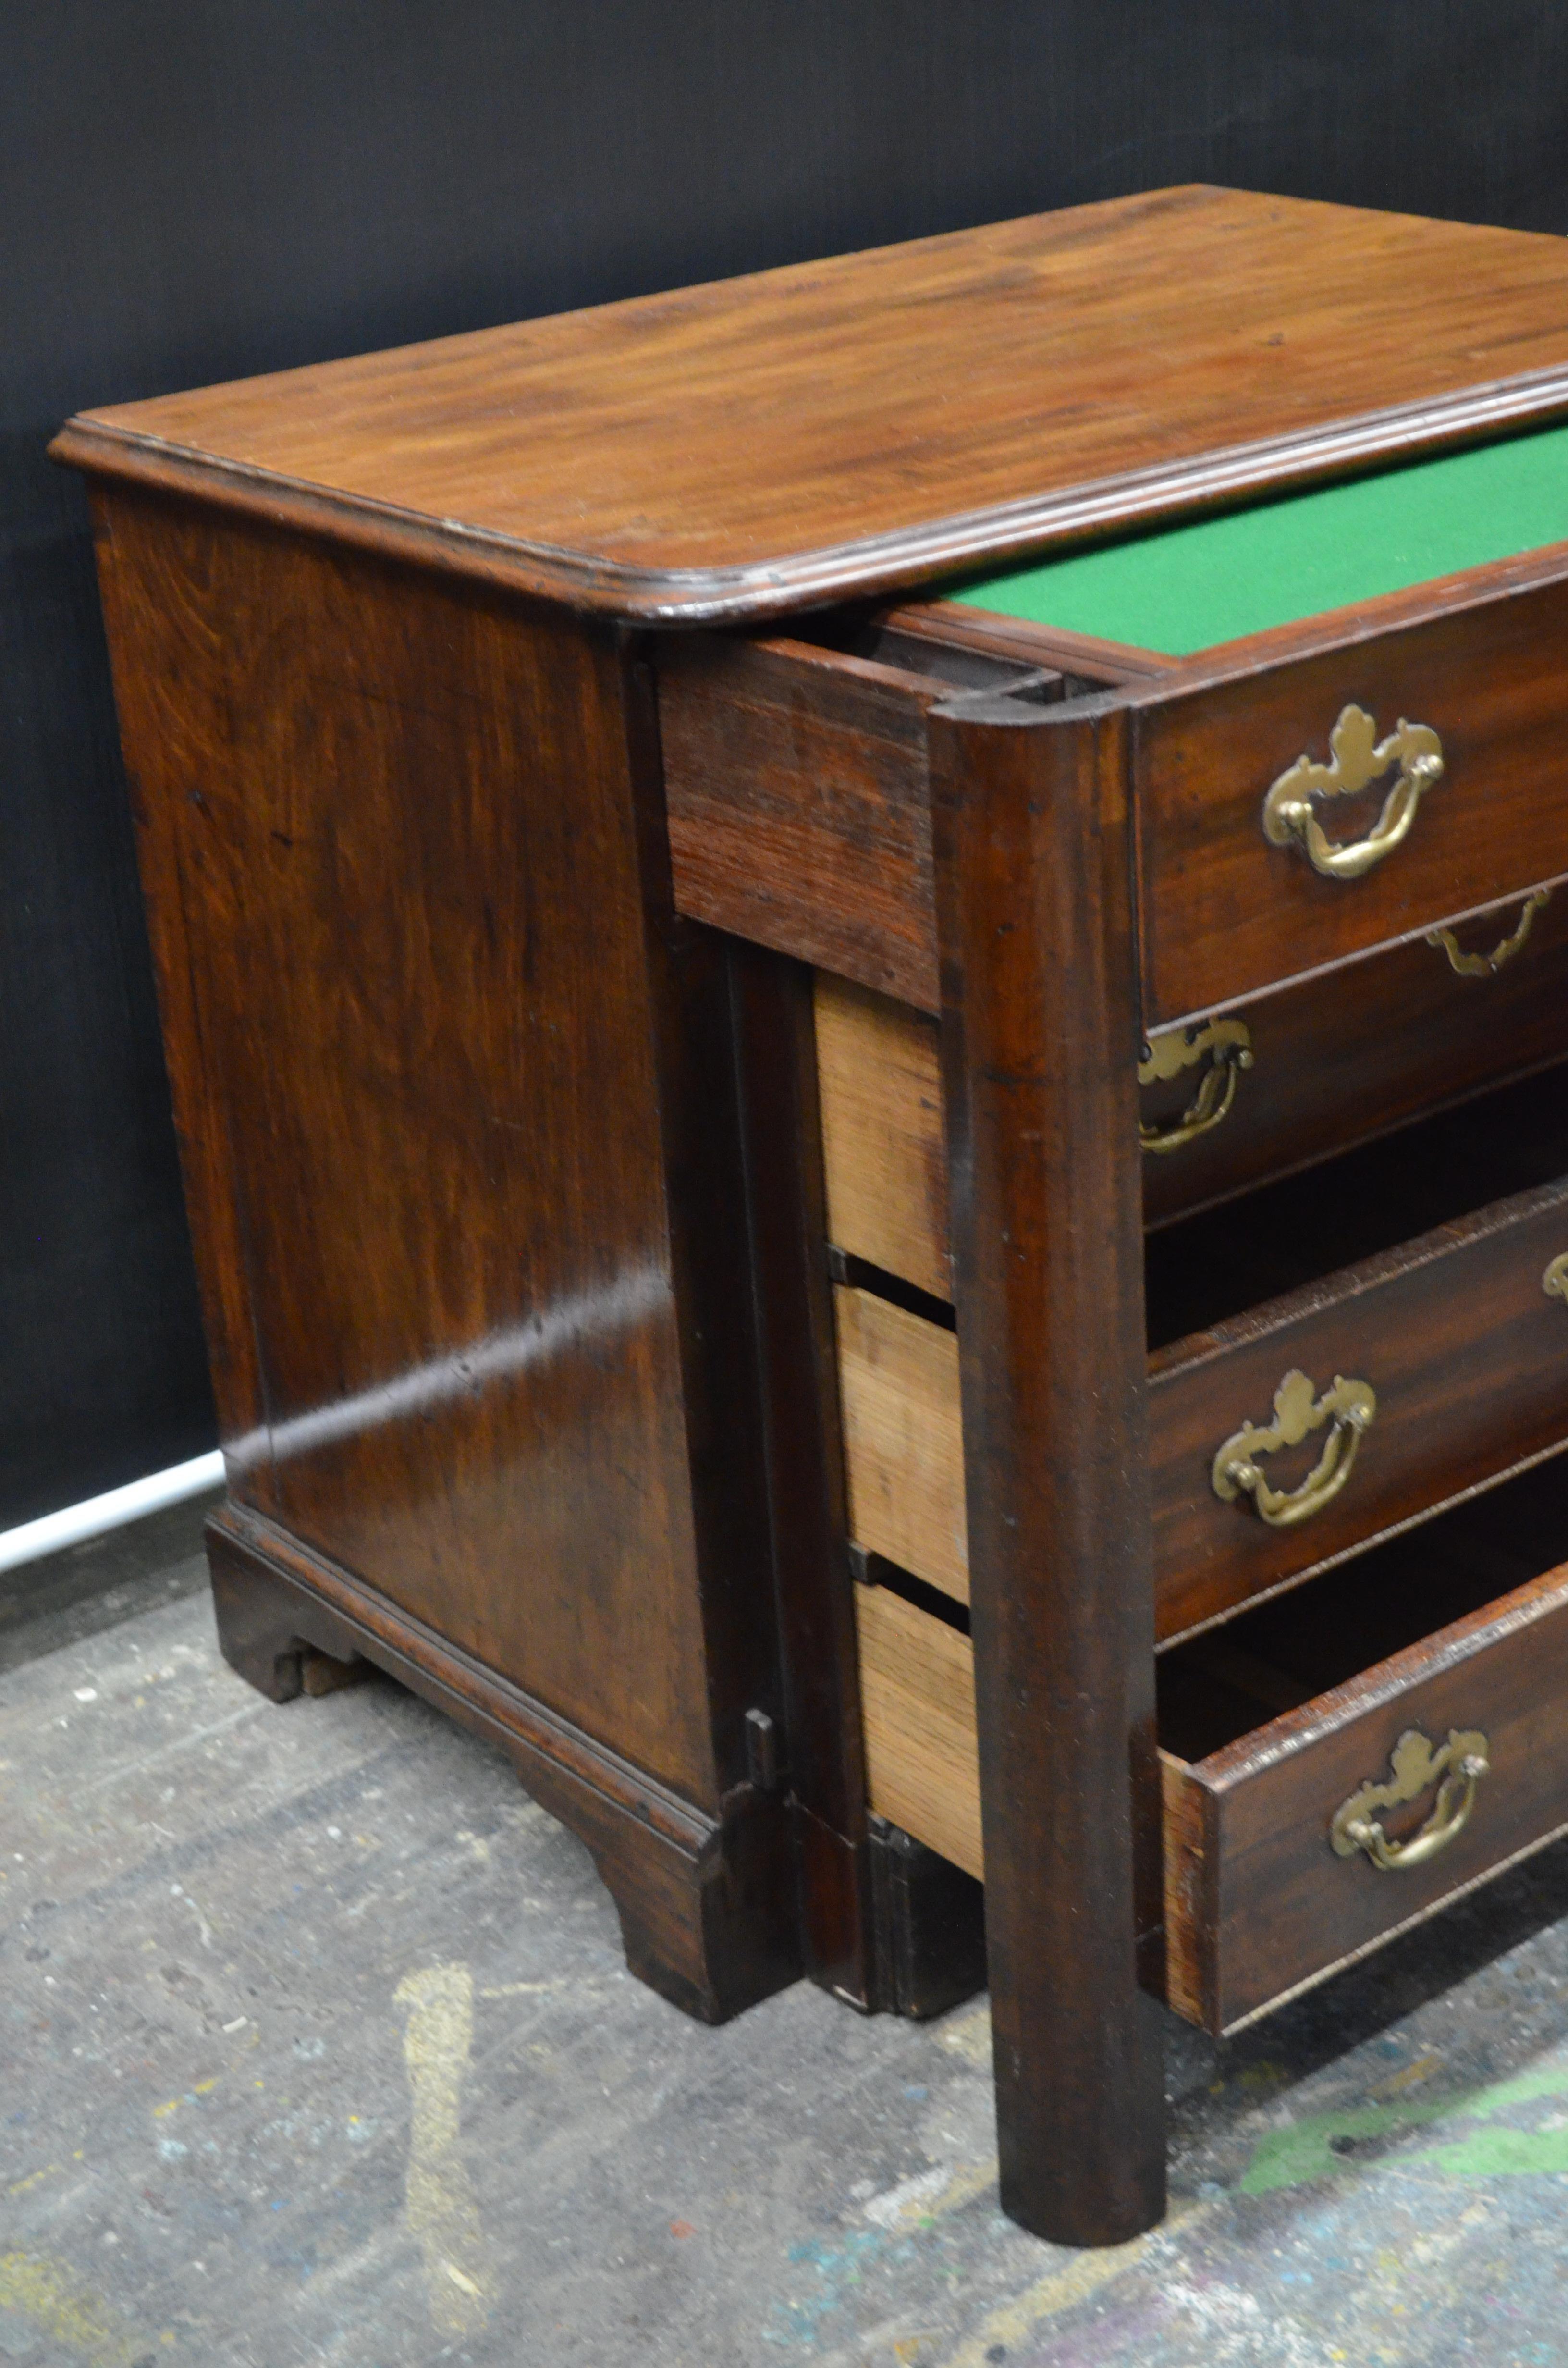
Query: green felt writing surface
x=1187 y=587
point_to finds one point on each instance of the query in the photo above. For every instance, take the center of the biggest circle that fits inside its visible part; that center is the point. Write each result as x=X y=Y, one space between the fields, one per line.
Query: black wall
x=195 y=189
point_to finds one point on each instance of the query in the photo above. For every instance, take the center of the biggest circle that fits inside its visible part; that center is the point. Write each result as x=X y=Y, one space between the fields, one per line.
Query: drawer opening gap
x=875 y=1570
x=1215 y=1688
x=860 y=1274
x=1204 y=1269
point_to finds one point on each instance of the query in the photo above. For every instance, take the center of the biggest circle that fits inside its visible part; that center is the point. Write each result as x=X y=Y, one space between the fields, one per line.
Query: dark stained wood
x=1467 y=1355
x=706 y=1905
x=803 y=1445
x=1225 y=914
x=470 y=1343
x=502 y=1166
x=1336 y=1062
x=1469 y=1363
x=1371 y=1047
x=798 y=806
x=953 y=624
x=1270 y=1906
x=827 y=859
x=1039 y=1035
x=1257 y=1904
x=799 y=809
x=878 y=420
x=930 y=1925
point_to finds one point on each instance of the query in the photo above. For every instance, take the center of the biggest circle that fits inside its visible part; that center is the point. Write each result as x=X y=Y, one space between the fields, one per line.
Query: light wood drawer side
x=898 y=1380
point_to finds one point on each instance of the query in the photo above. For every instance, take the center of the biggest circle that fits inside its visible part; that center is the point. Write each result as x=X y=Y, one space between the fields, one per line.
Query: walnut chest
x=865 y=975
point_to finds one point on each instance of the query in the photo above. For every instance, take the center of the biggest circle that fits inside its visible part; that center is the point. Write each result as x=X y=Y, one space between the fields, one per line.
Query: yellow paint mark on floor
x=1420 y=2070
x=51 y=2298
x=968 y=2037
x=928 y=2196
x=442 y=2210
x=1059 y=2290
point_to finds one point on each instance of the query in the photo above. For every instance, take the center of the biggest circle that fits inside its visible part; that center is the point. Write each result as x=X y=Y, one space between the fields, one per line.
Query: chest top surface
x=870 y=422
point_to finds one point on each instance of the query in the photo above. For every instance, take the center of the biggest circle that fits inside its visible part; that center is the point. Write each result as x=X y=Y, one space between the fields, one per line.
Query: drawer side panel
x=917 y=1696
x=898 y=1379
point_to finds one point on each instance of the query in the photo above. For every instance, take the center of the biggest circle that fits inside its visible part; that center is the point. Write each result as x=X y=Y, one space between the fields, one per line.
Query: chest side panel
x=388 y=838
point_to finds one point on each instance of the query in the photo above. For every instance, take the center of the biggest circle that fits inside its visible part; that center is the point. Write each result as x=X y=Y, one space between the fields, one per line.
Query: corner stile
x=1040 y=1041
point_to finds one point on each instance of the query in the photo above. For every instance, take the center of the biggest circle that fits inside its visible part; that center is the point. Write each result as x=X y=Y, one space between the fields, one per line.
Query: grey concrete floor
x=318 y=2049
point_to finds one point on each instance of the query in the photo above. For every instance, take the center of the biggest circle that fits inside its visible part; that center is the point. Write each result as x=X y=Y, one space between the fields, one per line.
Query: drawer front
x=1334 y=1062
x=1454 y=1339
x=1457 y=1339
x=1258 y=1900
x=1225 y=912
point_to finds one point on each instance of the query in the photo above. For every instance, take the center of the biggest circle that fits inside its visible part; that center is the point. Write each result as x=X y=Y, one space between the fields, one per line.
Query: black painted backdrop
x=195 y=189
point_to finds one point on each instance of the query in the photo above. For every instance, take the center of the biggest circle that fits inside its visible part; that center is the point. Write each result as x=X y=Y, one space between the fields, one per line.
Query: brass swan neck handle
x=1356 y=759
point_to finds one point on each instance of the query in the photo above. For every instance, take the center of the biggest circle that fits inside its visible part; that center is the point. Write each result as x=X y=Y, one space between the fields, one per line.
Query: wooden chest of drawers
x=871 y=1073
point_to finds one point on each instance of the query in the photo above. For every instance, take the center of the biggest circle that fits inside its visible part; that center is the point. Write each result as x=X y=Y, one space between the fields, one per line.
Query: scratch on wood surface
x=442 y=2210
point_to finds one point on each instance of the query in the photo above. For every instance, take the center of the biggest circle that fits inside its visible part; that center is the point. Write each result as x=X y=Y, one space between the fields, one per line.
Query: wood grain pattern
x=1285 y=1908
x=917 y=1700
x=1225 y=914
x=799 y=815
x=798 y=789
x=875 y=420
x=1256 y=1904
x=472 y=1347
x=898 y=1379
x=1467 y=1355
x=884 y=1150
x=1032 y=837
x=1189 y=1974
x=1338 y=1061
x=803 y=1453
x=1456 y=1336
x=706 y=1905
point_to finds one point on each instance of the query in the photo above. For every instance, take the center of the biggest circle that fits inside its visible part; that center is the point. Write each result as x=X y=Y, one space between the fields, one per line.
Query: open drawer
x=1322 y=1066
x=1335 y=1766
x=1370 y=765
x=1299 y=1409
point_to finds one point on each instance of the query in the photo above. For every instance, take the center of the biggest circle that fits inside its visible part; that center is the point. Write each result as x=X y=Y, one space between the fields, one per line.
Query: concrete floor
x=318 y=2049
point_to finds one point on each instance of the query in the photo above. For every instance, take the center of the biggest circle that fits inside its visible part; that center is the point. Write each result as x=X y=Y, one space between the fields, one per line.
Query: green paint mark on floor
x=1322 y=2144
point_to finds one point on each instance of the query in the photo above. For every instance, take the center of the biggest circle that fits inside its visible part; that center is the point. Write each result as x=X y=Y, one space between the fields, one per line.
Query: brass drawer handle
x=1350 y=1405
x=1488 y=965
x=1554 y=1281
x=1226 y=1046
x=1456 y=1770
x=1359 y=757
